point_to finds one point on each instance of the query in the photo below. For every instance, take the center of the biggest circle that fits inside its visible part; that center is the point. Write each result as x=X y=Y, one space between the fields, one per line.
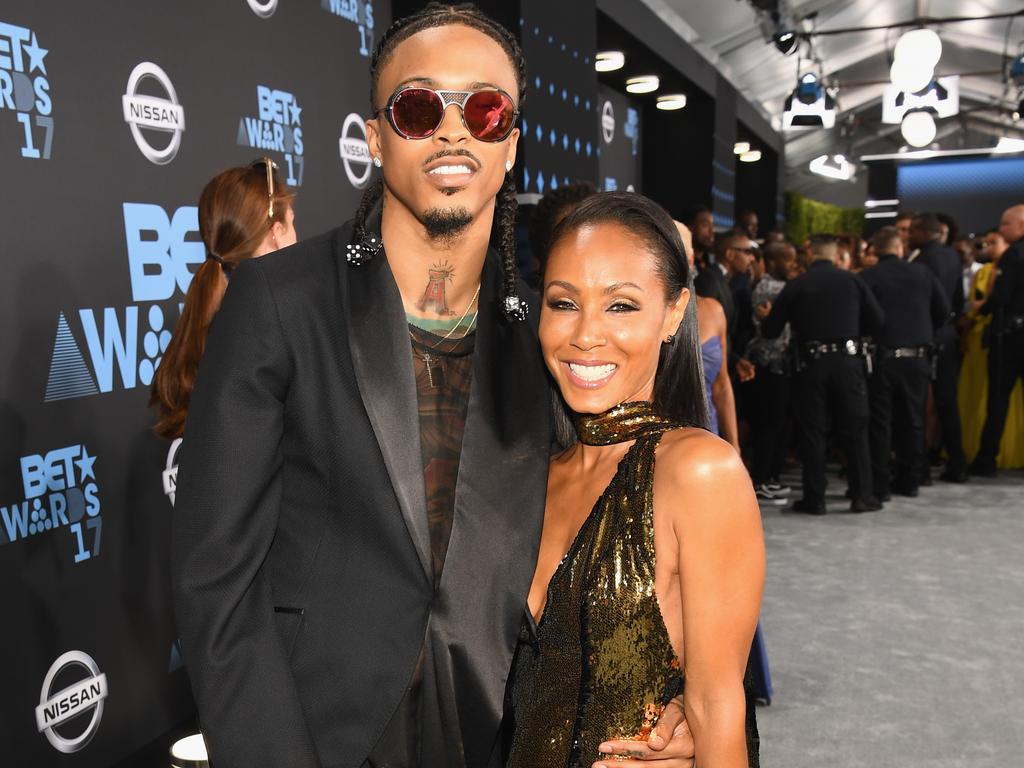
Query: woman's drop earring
x=377 y=163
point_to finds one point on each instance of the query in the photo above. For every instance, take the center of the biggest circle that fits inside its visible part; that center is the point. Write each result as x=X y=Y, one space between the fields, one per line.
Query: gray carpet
x=896 y=638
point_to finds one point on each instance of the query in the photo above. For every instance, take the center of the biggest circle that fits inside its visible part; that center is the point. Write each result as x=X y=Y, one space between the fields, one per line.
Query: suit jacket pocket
x=288 y=620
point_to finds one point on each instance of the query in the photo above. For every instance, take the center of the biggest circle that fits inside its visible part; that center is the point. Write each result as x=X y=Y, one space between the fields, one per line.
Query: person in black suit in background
x=829 y=310
x=915 y=306
x=1006 y=353
x=926 y=232
x=361 y=494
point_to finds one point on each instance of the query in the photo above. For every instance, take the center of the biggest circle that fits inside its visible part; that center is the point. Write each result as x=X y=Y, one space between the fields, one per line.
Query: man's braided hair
x=468 y=15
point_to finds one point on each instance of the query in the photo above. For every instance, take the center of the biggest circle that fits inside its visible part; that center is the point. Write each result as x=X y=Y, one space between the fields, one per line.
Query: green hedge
x=806 y=217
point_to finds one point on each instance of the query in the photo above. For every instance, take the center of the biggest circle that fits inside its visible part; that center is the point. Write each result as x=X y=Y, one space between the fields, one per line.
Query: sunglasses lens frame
x=489 y=115
x=416 y=112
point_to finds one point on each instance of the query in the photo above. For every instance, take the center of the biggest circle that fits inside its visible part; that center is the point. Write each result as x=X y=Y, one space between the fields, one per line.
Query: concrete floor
x=896 y=638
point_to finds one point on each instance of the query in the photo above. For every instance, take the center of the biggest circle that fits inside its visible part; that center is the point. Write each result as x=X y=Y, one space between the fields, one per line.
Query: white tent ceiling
x=730 y=34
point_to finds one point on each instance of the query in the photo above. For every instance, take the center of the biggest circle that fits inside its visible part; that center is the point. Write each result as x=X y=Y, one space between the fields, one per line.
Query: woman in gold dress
x=651 y=564
x=973 y=384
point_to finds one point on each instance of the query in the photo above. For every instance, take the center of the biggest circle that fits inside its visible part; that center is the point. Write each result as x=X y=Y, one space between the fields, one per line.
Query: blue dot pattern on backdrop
x=577 y=145
x=540 y=182
x=540 y=132
x=536 y=82
x=551 y=89
x=565 y=142
x=553 y=137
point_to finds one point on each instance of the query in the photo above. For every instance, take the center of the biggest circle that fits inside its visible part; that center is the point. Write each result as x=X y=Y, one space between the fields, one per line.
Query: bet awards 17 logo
x=60 y=491
x=147 y=115
x=98 y=349
x=25 y=89
x=71 y=702
x=360 y=13
x=277 y=128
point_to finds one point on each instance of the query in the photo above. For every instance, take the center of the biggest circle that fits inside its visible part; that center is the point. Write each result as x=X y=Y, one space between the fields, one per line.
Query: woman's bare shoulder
x=705 y=469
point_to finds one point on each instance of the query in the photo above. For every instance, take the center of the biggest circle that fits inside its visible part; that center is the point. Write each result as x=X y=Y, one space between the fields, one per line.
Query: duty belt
x=816 y=349
x=903 y=352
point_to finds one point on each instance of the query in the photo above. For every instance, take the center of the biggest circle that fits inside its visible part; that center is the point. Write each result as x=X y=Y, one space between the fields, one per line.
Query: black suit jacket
x=301 y=558
x=913 y=301
x=1008 y=293
x=945 y=264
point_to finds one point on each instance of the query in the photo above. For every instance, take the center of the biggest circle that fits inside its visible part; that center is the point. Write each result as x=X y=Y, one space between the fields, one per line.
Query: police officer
x=915 y=306
x=1006 y=351
x=926 y=237
x=829 y=311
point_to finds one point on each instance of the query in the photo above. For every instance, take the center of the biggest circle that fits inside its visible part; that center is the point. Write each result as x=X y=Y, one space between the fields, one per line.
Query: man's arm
x=939 y=303
x=872 y=316
x=228 y=503
x=1007 y=271
x=772 y=325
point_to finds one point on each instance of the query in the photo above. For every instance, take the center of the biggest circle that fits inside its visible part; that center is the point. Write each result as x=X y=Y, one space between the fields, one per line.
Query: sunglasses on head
x=415 y=112
x=271 y=166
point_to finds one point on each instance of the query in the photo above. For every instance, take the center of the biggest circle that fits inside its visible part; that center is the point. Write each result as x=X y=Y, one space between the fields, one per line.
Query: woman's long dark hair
x=467 y=15
x=679 y=389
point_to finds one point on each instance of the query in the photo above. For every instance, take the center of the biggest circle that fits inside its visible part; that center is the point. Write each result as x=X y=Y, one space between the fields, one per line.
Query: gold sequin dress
x=599 y=665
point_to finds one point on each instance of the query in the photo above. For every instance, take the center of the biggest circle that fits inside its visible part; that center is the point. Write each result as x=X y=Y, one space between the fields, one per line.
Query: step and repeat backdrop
x=112 y=118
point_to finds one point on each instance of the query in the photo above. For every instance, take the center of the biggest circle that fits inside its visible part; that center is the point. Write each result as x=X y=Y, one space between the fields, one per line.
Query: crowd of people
x=887 y=370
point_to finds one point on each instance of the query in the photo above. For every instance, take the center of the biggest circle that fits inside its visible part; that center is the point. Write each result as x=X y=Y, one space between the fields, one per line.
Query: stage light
x=1006 y=144
x=786 y=41
x=832 y=167
x=751 y=156
x=190 y=752
x=809 y=106
x=642 y=84
x=918 y=128
x=919 y=45
x=911 y=76
x=671 y=102
x=1017 y=71
x=941 y=98
x=609 y=61
x=740 y=147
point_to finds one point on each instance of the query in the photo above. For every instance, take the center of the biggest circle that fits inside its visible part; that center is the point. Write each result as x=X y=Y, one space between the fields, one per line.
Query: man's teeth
x=592 y=372
x=450 y=170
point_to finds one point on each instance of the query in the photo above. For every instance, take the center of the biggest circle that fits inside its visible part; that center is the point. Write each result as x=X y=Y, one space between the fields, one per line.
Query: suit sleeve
x=228 y=501
x=772 y=325
x=939 y=303
x=872 y=316
x=1008 y=270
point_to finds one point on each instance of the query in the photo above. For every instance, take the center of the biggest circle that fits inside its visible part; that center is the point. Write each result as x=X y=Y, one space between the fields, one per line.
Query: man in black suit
x=915 y=306
x=1006 y=352
x=363 y=477
x=829 y=310
x=943 y=261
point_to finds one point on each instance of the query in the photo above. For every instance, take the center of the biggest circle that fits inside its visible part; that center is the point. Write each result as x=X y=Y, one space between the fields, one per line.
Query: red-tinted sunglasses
x=416 y=112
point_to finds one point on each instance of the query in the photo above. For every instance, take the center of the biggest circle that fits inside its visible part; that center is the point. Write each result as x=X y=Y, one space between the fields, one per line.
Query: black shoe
x=808 y=507
x=865 y=505
x=904 y=490
x=982 y=469
x=955 y=475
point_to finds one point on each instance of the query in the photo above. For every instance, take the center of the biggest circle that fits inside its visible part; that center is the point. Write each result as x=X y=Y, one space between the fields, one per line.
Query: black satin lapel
x=378 y=336
x=499 y=507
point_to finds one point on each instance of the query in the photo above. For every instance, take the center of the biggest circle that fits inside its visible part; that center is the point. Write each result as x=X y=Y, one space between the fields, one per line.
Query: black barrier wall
x=112 y=117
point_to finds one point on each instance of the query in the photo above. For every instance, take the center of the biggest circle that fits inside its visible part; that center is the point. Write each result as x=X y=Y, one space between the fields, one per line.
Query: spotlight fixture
x=642 y=84
x=1006 y=144
x=941 y=98
x=1017 y=71
x=786 y=41
x=809 y=106
x=672 y=101
x=609 y=61
x=911 y=76
x=918 y=128
x=917 y=53
x=740 y=147
x=750 y=156
x=832 y=167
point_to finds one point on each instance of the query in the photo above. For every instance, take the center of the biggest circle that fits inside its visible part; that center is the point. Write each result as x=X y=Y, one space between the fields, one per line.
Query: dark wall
x=98 y=246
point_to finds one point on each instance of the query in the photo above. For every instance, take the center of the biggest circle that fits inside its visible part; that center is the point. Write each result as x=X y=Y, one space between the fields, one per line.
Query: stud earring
x=670 y=339
x=508 y=166
x=377 y=162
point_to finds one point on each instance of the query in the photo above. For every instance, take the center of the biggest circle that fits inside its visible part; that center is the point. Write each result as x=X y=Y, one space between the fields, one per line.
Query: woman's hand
x=670 y=743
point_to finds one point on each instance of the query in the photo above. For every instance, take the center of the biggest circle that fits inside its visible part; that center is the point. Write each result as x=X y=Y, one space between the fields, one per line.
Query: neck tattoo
x=434 y=365
x=434 y=298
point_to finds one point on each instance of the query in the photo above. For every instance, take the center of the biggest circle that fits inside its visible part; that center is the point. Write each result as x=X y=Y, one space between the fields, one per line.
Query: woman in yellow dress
x=973 y=386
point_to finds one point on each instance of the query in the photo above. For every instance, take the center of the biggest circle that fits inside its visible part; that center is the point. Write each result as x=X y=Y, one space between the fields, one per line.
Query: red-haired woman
x=243 y=213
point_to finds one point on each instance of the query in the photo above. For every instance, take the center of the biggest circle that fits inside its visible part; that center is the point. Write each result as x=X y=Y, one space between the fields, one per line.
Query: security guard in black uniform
x=1006 y=349
x=829 y=310
x=915 y=307
x=944 y=262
